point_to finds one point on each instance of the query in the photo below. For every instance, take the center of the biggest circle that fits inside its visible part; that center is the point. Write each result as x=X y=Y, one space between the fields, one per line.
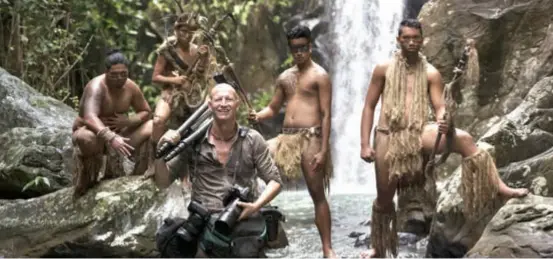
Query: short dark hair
x=299 y=31
x=114 y=57
x=411 y=23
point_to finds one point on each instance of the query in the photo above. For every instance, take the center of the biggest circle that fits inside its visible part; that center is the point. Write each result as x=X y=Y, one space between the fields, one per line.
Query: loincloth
x=297 y=143
x=111 y=165
x=407 y=179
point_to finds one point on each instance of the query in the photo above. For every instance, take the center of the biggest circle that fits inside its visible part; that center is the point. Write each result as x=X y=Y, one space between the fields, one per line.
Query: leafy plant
x=259 y=100
x=57 y=46
x=39 y=180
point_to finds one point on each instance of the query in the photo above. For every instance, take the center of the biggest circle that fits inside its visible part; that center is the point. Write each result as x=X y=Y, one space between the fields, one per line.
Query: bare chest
x=116 y=103
x=222 y=151
x=187 y=58
x=299 y=86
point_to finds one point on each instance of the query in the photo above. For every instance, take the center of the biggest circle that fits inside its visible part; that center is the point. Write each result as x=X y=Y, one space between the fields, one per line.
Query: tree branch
x=74 y=63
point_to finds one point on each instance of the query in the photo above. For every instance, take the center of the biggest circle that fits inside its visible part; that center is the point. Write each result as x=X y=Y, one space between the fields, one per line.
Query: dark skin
x=163 y=74
x=306 y=88
x=410 y=41
x=105 y=101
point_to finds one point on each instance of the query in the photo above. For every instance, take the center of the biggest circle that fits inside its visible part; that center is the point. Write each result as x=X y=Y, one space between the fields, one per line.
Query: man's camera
x=226 y=221
x=190 y=231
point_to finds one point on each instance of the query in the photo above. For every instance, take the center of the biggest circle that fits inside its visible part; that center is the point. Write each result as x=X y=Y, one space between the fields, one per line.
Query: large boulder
x=23 y=106
x=117 y=218
x=515 y=44
x=522 y=228
x=521 y=143
x=35 y=132
x=29 y=153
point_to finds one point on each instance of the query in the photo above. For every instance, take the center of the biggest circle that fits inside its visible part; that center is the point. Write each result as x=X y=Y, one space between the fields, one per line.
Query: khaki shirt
x=249 y=158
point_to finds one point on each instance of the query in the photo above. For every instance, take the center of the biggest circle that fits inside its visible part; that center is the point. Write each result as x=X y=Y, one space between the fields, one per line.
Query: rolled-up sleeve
x=264 y=163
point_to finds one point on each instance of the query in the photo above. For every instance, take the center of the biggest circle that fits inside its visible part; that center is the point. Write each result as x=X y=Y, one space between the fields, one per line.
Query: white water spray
x=363 y=34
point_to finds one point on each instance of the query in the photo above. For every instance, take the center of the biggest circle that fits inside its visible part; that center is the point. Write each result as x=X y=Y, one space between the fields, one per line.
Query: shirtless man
x=179 y=95
x=304 y=142
x=403 y=134
x=104 y=127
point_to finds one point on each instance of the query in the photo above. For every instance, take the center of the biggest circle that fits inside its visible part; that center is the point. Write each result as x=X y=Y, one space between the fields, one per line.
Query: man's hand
x=368 y=154
x=121 y=145
x=252 y=116
x=318 y=160
x=171 y=136
x=117 y=122
x=180 y=80
x=443 y=126
x=248 y=209
x=203 y=50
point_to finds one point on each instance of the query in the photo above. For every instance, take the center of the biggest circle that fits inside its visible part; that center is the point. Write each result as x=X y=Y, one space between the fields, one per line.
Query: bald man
x=226 y=155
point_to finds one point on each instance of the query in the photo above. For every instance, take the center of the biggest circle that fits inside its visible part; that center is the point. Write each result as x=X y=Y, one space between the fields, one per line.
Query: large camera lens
x=228 y=218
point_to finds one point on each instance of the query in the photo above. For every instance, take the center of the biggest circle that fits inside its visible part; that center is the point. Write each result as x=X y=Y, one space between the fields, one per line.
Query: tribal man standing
x=303 y=145
x=183 y=69
x=408 y=84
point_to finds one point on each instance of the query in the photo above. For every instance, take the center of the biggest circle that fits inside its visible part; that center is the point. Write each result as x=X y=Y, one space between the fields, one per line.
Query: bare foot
x=368 y=254
x=329 y=254
x=148 y=174
x=509 y=192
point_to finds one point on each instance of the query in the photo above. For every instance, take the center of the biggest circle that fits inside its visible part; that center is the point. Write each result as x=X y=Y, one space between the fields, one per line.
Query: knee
x=88 y=143
x=317 y=194
x=385 y=202
x=158 y=122
x=464 y=138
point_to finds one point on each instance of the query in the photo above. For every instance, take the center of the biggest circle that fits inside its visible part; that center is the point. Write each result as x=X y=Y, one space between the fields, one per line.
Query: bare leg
x=144 y=151
x=315 y=186
x=385 y=188
x=464 y=145
x=140 y=134
x=87 y=155
x=161 y=115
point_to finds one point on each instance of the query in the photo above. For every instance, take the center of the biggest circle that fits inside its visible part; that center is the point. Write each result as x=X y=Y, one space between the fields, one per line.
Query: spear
x=468 y=56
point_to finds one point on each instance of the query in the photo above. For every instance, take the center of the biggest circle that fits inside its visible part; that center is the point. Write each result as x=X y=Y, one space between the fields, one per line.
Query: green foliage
x=259 y=100
x=57 y=46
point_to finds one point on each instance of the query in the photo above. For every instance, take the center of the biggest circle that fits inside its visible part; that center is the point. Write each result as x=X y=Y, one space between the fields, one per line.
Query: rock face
x=262 y=47
x=32 y=152
x=522 y=143
x=118 y=218
x=35 y=132
x=515 y=45
x=522 y=228
x=23 y=106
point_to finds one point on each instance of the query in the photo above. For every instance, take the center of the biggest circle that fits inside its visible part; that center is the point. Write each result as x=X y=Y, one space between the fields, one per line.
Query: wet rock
x=522 y=228
x=521 y=143
x=355 y=234
x=28 y=153
x=364 y=240
x=118 y=218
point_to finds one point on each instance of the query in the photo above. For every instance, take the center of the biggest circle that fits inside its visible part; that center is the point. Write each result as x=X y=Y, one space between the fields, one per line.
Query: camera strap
x=242 y=133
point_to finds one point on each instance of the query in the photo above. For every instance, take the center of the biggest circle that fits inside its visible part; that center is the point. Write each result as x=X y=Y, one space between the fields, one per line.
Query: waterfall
x=363 y=34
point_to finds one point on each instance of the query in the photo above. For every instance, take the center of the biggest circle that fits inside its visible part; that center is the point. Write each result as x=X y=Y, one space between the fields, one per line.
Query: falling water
x=363 y=34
